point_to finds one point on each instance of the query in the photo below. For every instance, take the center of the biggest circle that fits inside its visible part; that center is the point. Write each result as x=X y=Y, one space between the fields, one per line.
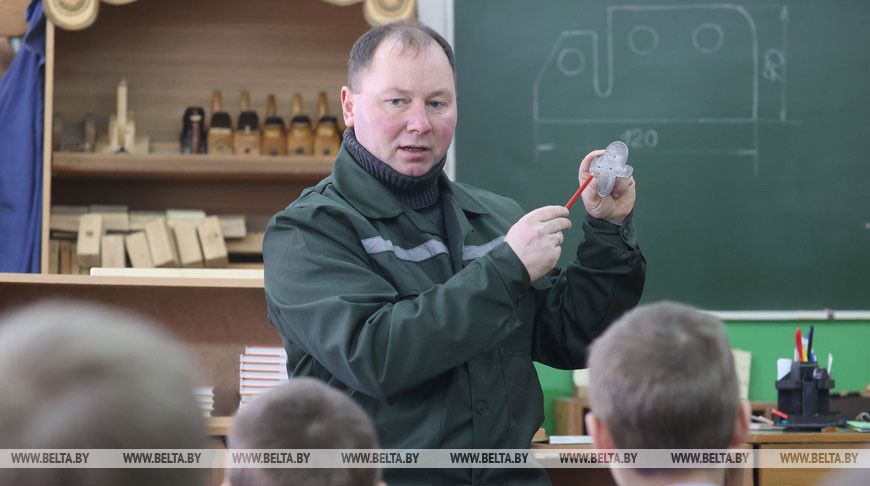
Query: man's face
x=404 y=109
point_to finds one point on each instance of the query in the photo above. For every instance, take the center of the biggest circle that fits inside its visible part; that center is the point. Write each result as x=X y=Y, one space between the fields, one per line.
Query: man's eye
x=436 y=104
x=395 y=101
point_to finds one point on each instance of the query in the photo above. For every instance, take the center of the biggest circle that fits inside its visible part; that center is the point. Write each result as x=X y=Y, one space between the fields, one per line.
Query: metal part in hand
x=612 y=164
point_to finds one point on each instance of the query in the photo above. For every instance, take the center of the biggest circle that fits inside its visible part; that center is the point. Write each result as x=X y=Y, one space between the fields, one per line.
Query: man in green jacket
x=426 y=300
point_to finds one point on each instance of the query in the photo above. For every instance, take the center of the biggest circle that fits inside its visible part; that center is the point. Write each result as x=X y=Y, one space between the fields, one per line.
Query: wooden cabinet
x=172 y=55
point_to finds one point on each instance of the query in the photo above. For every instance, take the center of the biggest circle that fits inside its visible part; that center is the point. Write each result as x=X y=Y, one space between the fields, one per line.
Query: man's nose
x=418 y=119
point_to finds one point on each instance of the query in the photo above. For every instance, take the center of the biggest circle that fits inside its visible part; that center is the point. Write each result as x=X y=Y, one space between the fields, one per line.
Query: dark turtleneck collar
x=417 y=192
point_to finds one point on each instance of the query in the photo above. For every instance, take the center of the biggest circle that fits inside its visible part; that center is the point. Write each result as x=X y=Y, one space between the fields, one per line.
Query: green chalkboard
x=747 y=123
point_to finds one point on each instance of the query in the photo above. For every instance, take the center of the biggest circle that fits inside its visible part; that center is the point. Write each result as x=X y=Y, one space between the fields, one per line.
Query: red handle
x=579 y=191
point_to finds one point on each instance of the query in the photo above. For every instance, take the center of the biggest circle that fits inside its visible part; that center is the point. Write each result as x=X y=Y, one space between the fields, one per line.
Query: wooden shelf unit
x=173 y=54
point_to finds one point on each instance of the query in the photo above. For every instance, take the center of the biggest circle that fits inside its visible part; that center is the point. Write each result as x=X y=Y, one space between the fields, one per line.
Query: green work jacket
x=436 y=339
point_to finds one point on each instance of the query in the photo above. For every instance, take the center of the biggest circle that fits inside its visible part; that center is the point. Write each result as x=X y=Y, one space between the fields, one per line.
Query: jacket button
x=481 y=407
x=626 y=233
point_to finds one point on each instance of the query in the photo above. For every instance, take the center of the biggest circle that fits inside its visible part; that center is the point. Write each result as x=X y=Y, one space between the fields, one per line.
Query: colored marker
x=577 y=194
x=798 y=344
x=810 y=343
x=781 y=415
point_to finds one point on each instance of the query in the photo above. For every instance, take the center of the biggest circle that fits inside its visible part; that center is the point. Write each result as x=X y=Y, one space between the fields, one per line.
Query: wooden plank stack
x=112 y=236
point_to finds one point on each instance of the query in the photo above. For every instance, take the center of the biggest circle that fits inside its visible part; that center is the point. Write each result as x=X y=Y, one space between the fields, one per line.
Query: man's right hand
x=537 y=239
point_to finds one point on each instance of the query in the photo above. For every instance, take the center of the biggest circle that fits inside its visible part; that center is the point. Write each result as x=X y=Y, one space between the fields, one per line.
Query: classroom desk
x=841 y=439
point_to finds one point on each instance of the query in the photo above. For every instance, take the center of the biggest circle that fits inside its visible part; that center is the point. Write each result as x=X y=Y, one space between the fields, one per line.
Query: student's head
x=400 y=96
x=663 y=376
x=79 y=376
x=303 y=414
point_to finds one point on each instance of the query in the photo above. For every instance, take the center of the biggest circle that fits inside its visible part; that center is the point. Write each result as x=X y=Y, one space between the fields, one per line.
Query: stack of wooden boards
x=205 y=399
x=261 y=368
x=111 y=236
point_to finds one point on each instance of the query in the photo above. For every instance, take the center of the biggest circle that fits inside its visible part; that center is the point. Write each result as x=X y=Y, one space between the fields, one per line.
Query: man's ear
x=601 y=438
x=347 y=106
x=741 y=424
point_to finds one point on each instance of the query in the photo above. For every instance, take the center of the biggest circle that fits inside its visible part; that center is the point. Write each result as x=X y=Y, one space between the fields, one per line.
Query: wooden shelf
x=80 y=165
x=20 y=279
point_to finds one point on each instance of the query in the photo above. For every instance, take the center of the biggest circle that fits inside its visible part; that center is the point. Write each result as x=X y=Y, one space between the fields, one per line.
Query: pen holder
x=804 y=394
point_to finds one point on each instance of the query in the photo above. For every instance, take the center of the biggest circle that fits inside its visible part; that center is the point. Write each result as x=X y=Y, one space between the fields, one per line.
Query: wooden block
x=113 y=251
x=189 y=252
x=53 y=256
x=162 y=243
x=300 y=141
x=212 y=240
x=65 y=257
x=233 y=225
x=191 y=215
x=88 y=243
x=64 y=222
x=115 y=218
x=129 y=135
x=220 y=141
x=138 y=219
x=569 y=414
x=66 y=218
x=274 y=142
x=65 y=209
x=247 y=142
x=138 y=250
x=116 y=222
x=108 y=208
x=74 y=267
x=326 y=140
x=252 y=244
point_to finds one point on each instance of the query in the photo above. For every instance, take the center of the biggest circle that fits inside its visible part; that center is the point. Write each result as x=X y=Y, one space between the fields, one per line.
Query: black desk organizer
x=804 y=394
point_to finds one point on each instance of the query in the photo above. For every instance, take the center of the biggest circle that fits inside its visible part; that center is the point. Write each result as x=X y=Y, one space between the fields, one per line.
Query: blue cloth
x=21 y=120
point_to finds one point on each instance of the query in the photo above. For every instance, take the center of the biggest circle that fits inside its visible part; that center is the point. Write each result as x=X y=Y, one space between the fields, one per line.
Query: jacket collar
x=374 y=200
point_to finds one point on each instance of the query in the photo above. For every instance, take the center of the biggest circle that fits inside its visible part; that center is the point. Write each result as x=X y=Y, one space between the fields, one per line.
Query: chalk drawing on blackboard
x=705 y=45
x=683 y=79
x=643 y=39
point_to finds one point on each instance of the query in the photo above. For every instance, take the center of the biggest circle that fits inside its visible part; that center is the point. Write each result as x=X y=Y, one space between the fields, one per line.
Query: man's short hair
x=663 y=376
x=408 y=35
x=81 y=376
x=303 y=414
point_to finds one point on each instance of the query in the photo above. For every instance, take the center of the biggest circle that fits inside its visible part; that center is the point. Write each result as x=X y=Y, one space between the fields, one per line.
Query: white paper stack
x=261 y=368
x=205 y=397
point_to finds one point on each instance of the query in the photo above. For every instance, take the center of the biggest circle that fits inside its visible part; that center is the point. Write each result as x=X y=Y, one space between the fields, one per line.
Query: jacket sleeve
x=575 y=305
x=323 y=293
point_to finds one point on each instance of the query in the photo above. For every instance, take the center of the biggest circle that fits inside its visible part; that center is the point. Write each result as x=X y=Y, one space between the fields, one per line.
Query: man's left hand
x=615 y=207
